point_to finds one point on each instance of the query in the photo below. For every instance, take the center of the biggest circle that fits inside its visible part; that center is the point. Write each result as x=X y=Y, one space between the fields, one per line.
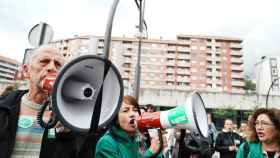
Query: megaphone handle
x=181 y=143
x=51 y=123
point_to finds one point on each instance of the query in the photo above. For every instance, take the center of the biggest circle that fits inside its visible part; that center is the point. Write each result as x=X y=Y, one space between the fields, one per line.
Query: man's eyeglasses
x=263 y=124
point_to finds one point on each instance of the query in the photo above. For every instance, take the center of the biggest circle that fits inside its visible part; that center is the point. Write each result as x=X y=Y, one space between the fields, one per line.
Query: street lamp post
x=267 y=95
x=137 y=77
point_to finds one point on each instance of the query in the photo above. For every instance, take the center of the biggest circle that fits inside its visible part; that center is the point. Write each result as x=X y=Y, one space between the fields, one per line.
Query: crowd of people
x=22 y=137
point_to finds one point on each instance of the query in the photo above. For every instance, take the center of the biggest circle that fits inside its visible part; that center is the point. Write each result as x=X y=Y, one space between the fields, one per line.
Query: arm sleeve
x=220 y=145
x=149 y=153
x=105 y=149
x=240 y=151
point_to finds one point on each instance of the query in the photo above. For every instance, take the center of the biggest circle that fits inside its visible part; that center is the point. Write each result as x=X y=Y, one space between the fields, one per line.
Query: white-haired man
x=20 y=134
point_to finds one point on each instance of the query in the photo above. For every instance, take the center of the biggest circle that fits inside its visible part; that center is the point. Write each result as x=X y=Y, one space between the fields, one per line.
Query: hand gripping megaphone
x=191 y=116
x=75 y=92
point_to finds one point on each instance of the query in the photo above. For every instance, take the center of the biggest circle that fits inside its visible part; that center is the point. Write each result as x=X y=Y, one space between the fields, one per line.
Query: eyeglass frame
x=262 y=124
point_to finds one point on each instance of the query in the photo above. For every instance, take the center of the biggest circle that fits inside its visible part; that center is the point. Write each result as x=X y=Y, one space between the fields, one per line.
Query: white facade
x=266 y=71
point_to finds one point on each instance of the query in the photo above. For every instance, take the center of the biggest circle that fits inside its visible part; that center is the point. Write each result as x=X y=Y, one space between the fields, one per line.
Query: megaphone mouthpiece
x=48 y=82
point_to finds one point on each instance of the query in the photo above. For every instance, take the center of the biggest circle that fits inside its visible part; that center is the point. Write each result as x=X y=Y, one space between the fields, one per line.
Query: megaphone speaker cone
x=76 y=89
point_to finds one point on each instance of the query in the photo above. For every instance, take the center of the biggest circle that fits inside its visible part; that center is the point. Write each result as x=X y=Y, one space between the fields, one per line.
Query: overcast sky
x=257 y=22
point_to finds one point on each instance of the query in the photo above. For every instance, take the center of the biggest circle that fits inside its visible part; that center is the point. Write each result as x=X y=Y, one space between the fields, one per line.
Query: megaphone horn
x=191 y=116
x=75 y=89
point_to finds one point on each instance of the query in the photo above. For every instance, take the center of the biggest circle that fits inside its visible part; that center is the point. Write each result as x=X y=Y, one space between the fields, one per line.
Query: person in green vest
x=263 y=136
x=120 y=141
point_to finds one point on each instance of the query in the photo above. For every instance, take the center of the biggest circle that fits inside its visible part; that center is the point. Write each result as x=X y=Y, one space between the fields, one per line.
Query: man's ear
x=25 y=71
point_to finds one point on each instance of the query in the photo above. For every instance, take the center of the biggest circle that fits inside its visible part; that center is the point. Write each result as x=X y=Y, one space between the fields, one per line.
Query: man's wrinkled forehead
x=48 y=52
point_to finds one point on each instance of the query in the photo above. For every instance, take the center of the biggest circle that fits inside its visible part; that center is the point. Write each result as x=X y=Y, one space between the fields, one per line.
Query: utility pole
x=137 y=78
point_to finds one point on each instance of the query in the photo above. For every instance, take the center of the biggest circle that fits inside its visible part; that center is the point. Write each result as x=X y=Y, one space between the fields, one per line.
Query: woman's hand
x=155 y=144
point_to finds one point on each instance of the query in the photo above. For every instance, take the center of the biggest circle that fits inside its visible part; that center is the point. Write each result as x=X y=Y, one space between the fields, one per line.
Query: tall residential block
x=8 y=69
x=207 y=63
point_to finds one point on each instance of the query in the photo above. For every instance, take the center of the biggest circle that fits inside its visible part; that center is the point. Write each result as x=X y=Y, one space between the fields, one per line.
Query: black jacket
x=224 y=141
x=65 y=145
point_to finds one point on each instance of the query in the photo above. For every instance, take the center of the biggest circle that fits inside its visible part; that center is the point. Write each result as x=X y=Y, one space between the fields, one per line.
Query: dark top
x=224 y=141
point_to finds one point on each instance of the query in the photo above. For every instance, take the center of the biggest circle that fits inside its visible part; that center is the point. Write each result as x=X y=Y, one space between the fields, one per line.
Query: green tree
x=224 y=113
x=249 y=84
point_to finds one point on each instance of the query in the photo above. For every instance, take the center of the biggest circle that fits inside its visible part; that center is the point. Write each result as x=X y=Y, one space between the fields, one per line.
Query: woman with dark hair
x=121 y=139
x=263 y=136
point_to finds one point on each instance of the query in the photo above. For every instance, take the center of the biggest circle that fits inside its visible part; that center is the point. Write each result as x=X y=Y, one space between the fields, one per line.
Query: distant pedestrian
x=227 y=141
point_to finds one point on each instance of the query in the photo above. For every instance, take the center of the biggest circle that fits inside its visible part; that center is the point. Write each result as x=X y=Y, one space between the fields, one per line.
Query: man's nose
x=51 y=66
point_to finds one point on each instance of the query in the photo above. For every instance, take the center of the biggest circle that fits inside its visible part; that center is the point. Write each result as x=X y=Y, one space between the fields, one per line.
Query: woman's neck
x=270 y=146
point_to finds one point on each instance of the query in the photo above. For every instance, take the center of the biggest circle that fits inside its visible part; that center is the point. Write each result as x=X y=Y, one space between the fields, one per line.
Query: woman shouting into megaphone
x=121 y=138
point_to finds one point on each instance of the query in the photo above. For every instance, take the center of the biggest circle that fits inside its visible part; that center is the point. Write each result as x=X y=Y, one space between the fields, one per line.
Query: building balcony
x=170 y=71
x=236 y=68
x=8 y=66
x=5 y=81
x=218 y=52
x=170 y=63
x=7 y=70
x=171 y=48
x=236 y=60
x=183 y=87
x=171 y=55
x=125 y=76
x=183 y=72
x=127 y=60
x=7 y=75
x=209 y=58
x=183 y=64
x=236 y=53
x=183 y=49
x=237 y=75
x=151 y=70
x=218 y=44
x=218 y=82
x=209 y=81
x=209 y=44
x=184 y=41
x=218 y=74
x=238 y=83
x=183 y=57
x=185 y=79
x=209 y=74
x=234 y=45
x=170 y=78
x=127 y=53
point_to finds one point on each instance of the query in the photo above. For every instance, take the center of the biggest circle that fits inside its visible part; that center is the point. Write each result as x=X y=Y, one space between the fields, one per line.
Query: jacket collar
x=121 y=134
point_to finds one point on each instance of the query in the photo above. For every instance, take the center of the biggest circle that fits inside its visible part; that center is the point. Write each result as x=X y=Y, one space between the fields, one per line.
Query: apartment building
x=8 y=69
x=268 y=71
x=207 y=63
